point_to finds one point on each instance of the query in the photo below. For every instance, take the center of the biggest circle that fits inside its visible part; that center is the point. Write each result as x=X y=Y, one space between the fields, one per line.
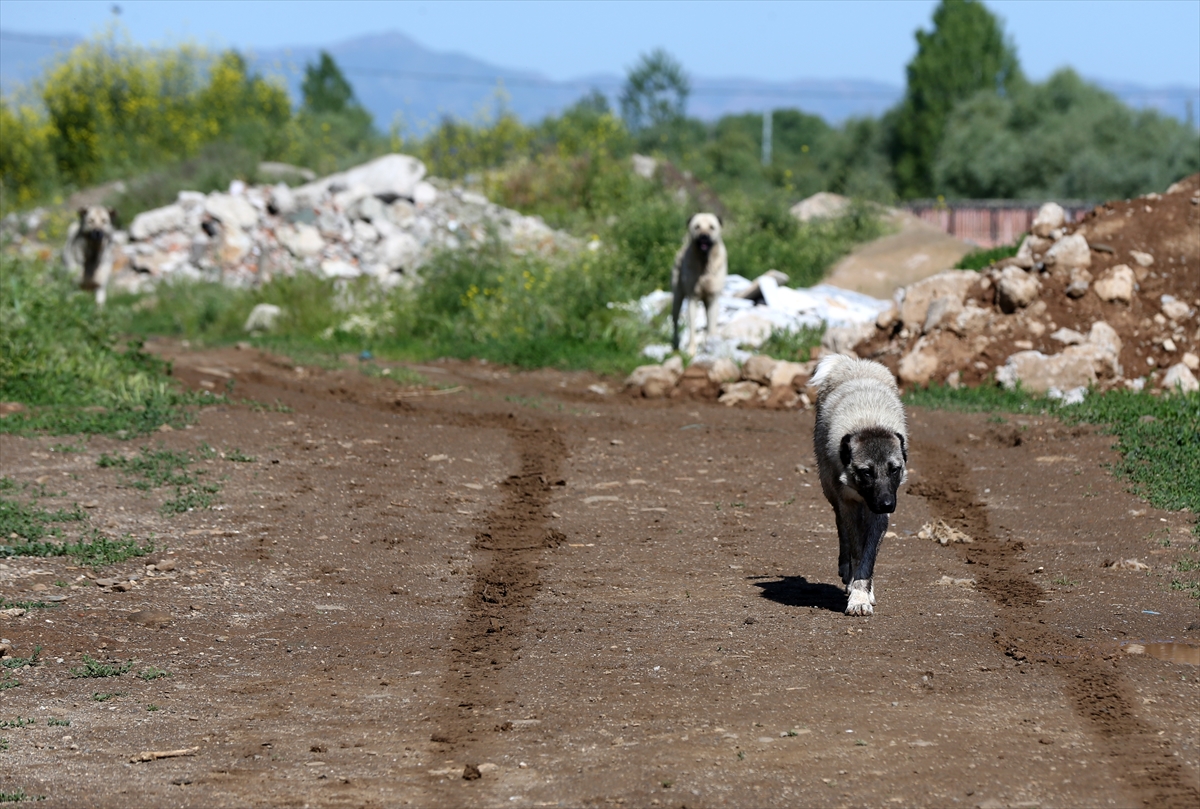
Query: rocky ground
x=494 y=588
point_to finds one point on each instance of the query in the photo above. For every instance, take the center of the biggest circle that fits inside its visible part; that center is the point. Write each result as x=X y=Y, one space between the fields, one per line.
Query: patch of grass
x=979 y=259
x=397 y=373
x=68 y=363
x=6 y=724
x=94 y=668
x=153 y=673
x=793 y=346
x=16 y=797
x=65 y=448
x=151 y=707
x=55 y=722
x=237 y=456
x=1158 y=437
x=3 y=745
x=1192 y=588
x=105 y=696
x=154 y=468
x=30 y=522
x=1063 y=581
x=9 y=682
x=260 y=407
x=20 y=662
x=1187 y=565
x=94 y=550
x=985 y=398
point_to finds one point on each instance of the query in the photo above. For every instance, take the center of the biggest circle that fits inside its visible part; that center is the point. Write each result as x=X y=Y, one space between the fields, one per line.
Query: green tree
x=964 y=53
x=655 y=93
x=325 y=88
x=1062 y=138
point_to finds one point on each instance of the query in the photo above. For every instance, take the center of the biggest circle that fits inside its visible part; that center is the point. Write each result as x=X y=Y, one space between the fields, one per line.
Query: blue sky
x=1152 y=42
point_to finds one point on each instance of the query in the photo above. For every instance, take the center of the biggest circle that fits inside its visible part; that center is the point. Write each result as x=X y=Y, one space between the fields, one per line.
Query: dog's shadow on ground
x=797 y=591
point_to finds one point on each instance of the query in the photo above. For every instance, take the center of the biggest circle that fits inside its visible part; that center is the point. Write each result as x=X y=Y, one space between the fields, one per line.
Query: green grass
x=94 y=668
x=153 y=673
x=979 y=259
x=6 y=724
x=158 y=467
x=20 y=662
x=67 y=362
x=16 y=797
x=30 y=522
x=6 y=603
x=1158 y=437
x=55 y=722
x=793 y=346
x=9 y=682
x=105 y=696
x=94 y=550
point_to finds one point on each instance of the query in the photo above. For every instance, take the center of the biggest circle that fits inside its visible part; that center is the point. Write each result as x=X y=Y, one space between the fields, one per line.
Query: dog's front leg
x=710 y=328
x=676 y=302
x=861 y=599
x=691 y=320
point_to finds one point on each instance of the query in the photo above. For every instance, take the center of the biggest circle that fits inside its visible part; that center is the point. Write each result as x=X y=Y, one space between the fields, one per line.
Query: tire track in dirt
x=1093 y=684
x=506 y=555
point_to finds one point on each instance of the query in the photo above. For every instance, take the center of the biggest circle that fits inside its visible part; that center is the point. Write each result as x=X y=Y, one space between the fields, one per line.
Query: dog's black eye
x=866 y=473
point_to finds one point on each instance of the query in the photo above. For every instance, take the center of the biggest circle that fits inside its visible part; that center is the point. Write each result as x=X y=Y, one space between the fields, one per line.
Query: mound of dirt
x=1109 y=300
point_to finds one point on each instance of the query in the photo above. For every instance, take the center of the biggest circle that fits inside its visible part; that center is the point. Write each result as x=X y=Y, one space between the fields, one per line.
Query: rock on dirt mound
x=1109 y=300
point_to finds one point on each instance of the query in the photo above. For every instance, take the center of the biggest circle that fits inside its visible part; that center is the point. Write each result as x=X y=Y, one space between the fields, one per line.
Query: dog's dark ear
x=112 y=216
x=845 y=453
x=720 y=221
x=82 y=214
x=903 y=447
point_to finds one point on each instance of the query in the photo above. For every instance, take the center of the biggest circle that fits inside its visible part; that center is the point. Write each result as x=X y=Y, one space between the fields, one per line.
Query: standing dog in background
x=89 y=248
x=699 y=274
x=861 y=444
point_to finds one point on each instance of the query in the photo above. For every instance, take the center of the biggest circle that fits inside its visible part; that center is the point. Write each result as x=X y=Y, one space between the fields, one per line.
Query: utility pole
x=766 y=150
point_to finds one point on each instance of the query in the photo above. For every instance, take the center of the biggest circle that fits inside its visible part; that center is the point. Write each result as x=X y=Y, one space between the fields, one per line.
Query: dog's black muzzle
x=94 y=236
x=880 y=502
x=704 y=242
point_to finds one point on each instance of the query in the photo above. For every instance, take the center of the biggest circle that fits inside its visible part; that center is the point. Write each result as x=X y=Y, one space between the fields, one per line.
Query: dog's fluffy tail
x=826 y=367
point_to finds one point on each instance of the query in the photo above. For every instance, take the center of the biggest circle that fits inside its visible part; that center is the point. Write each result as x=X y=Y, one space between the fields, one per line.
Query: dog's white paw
x=871 y=592
x=859 y=601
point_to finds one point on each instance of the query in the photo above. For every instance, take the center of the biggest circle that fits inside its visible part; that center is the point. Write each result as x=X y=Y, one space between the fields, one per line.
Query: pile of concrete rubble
x=382 y=219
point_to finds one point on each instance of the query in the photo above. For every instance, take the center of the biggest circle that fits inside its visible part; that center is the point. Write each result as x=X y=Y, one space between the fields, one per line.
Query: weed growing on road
x=93 y=549
x=237 y=456
x=30 y=522
x=9 y=682
x=102 y=696
x=151 y=707
x=55 y=722
x=153 y=673
x=3 y=745
x=7 y=604
x=21 y=662
x=94 y=668
x=15 y=797
x=154 y=468
x=6 y=724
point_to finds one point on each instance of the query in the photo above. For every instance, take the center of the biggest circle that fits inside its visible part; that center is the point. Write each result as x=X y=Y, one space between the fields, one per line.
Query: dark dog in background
x=89 y=249
x=861 y=444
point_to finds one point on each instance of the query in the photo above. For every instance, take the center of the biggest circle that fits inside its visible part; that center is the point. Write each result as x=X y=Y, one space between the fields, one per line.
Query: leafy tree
x=655 y=92
x=1063 y=138
x=325 y=88
x=964 y=53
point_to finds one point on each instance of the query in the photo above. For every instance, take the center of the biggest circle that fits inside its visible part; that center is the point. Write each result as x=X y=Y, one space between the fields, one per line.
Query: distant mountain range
x=397 y=78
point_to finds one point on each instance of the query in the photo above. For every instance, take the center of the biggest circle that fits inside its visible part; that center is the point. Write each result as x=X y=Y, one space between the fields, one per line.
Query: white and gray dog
x=89 y=248
x=861 y=444
x=698 y=275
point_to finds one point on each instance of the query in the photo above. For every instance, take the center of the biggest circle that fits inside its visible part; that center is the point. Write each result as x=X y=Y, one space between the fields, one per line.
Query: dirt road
x=589 y=600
